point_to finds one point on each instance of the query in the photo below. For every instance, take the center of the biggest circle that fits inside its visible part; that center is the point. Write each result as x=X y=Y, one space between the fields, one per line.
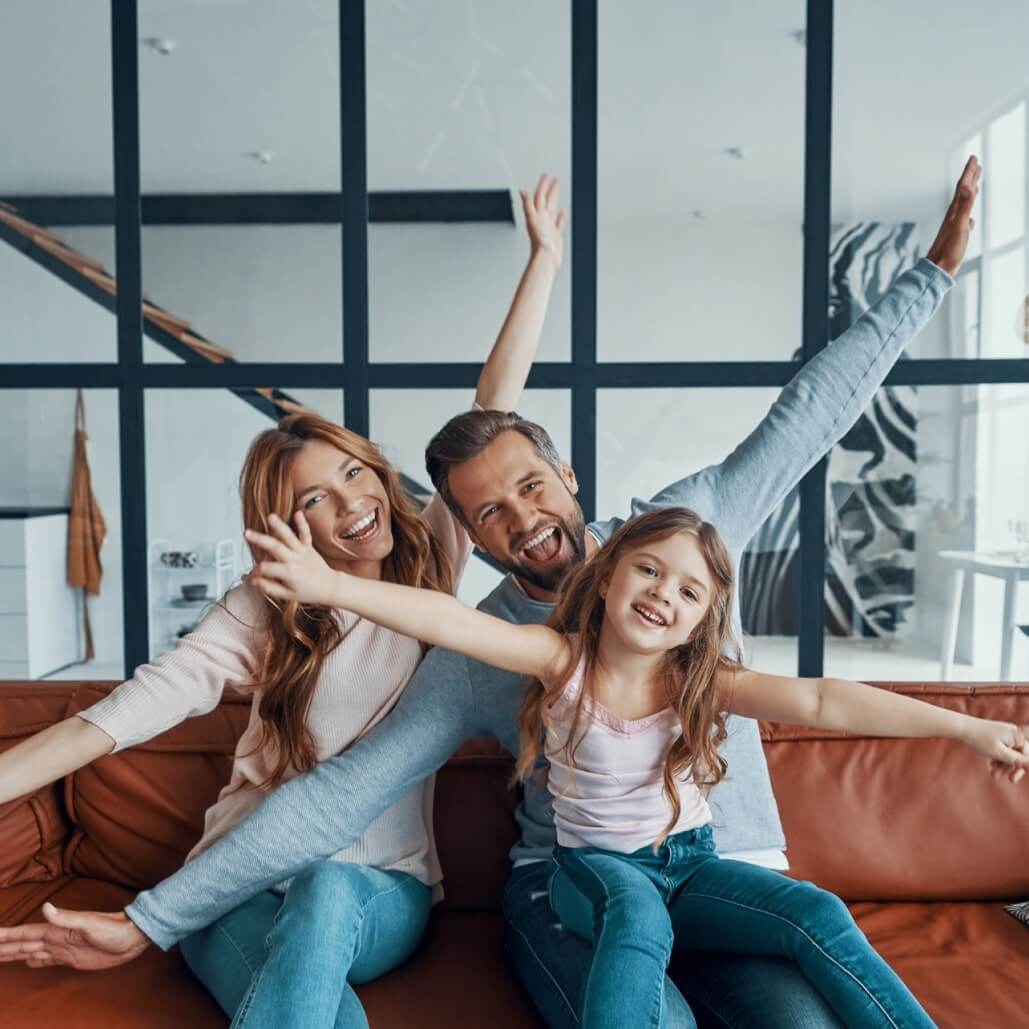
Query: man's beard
x=550 y=579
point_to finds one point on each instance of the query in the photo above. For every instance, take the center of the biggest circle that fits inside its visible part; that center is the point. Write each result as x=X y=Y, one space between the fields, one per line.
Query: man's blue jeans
x=704 y=989
x=639 y=907
x=277 y=962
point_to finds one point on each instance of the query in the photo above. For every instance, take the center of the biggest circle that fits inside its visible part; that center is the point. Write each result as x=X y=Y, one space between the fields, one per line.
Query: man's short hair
x=466 y=435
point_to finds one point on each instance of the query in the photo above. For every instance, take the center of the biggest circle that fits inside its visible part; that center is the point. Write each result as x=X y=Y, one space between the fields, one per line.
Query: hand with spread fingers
x=545 y=218
x=292 y=569
x=948 y=249
x=86 y=940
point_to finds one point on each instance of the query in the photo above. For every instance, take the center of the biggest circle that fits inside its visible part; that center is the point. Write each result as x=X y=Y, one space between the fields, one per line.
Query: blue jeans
x=640 y=906
x=705 y=989
x=276 y=962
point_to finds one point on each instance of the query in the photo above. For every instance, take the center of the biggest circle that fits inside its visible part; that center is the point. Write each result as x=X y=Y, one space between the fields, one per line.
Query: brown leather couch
x=914 y=834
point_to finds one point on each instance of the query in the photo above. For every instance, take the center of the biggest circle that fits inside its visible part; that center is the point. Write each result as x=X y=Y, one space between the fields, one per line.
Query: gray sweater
x=451 y=698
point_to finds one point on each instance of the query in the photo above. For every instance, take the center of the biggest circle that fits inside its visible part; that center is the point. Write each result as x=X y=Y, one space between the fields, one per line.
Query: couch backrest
x=867 y=818
x=882 y=819
x=33 y=829
x=138 y=813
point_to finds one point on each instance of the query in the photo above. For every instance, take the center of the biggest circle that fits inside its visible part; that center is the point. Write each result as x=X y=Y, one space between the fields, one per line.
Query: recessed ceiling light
x=159 y=44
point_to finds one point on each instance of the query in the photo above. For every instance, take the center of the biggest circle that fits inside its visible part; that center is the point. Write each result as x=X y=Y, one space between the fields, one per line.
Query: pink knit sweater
x=360 y=682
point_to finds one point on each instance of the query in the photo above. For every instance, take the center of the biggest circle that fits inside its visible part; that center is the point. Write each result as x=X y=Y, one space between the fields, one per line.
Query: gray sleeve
x=315 y=815
x=814 y=411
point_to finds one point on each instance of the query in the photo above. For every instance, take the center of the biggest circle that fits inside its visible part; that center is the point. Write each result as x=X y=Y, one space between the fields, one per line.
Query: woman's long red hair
x=297 y=638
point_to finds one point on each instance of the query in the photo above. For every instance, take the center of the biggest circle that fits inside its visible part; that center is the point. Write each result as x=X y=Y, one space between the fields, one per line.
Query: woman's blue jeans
x=638 y=907
x=277 y=962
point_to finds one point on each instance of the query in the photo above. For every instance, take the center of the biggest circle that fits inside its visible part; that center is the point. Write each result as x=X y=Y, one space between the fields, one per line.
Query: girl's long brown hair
x=688 y=671
x=299 y=637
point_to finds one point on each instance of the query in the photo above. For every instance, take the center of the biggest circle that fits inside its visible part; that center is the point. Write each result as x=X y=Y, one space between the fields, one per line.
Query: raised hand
x=545 y=218
x=87 y=940
x=948 y=249
x=293 y=569
x=1004 y=743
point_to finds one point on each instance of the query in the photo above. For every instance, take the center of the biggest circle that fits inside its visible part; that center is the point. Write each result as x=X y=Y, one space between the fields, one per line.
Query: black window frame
x=356 y=375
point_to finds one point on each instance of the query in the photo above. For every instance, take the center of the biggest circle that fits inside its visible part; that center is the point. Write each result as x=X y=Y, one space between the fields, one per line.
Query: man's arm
x=315 y=815
x=827 y=396
x=505 y=371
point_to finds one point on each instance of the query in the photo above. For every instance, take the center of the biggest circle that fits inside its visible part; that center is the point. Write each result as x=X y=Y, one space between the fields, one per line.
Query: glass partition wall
x=206 y=219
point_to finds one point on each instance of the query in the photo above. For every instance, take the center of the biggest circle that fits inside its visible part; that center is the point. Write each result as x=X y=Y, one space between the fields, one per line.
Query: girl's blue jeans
x=638 y=907
x=277 y=962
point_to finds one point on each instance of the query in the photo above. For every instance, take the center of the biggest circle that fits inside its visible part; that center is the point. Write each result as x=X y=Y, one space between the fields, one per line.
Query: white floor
x=90 y=670
x=894 y=661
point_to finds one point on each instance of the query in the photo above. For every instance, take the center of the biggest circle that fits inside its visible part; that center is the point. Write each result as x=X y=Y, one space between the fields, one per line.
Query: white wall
x=669 y=290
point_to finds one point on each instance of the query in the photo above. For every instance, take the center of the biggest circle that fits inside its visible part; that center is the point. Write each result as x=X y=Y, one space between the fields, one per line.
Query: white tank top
x=612 y=796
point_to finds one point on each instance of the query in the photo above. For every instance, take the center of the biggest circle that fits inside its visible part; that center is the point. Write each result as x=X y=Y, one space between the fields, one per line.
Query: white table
x=997 y=566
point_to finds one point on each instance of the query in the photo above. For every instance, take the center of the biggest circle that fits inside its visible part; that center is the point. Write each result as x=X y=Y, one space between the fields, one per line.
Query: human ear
x=569 y=478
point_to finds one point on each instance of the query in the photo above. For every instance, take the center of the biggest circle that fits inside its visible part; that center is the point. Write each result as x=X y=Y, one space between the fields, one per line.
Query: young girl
x=630 y=686
x=320 y=678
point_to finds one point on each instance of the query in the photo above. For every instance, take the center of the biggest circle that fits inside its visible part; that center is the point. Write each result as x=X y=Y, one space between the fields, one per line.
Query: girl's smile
x=658 y=595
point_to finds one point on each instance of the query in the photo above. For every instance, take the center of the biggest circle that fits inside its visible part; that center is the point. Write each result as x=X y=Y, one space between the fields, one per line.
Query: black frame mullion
x=544 y=375
x=129 y=310
x=817 y=198
x=354 y=213
x=584 y=251
x=582 y=375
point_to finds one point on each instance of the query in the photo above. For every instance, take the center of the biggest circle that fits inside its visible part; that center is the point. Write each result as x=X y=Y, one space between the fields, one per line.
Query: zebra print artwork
x=870 y=500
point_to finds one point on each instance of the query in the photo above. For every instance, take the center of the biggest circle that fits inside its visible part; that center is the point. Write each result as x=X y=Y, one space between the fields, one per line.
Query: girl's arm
x=503 y=375
x=59 y=749
x=858 y=708
x=296 y=571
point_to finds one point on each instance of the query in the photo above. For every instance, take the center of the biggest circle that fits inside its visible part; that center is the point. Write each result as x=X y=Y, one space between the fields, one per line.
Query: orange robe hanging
x=86 y=528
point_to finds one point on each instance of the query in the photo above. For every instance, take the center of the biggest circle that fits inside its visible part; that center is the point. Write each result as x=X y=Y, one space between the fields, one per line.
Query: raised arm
x=306 y=819
x=186 y=681
x=827 y=396
x=858 y=708
x=505 y=371
x=294 y=570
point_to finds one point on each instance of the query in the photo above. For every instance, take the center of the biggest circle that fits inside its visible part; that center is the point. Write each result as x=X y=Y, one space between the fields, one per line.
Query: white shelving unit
x=172 y=616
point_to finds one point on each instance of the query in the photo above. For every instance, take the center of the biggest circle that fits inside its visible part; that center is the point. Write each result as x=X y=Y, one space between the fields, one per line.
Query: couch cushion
x=33 y=828
x=474 y=851
x=157 y=989
x=137 y=813
x=458 y=978
x=967 y=963
x=866 y=817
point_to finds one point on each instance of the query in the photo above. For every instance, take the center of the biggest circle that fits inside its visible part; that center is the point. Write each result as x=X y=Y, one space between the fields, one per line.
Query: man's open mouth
x=544 y=546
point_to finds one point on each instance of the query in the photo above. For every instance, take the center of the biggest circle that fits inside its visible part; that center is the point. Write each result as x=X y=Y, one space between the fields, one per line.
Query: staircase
x=169 y=331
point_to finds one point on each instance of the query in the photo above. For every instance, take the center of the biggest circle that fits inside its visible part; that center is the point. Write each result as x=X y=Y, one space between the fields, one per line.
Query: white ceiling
x=476 y=94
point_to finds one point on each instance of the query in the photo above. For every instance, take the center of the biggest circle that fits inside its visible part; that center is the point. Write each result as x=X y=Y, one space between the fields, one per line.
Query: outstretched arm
x=505 y=371
x=828 y=395
x=859 y=708
x=306 y=819
x=184 y=682
x=49 y=755
x=294 y=570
